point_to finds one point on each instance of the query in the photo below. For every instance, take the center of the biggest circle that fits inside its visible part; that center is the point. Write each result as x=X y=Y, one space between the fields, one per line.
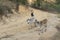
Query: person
x=32 y=14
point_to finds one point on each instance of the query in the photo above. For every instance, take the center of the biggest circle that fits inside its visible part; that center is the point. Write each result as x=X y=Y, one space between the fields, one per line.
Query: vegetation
x=5 y=9
x=57 y=1
x=18 y=2
x=37 y=3
x=6 y=6
x=40 y=4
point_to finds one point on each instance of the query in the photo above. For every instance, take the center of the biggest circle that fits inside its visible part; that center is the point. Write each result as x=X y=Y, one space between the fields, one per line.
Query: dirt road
x=19 y=28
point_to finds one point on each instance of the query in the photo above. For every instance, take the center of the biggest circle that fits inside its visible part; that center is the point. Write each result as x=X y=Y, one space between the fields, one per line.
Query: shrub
x=4 y=11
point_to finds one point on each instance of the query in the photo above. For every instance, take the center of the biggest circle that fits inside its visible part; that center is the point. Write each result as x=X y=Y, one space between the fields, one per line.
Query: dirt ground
x=17 y=28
